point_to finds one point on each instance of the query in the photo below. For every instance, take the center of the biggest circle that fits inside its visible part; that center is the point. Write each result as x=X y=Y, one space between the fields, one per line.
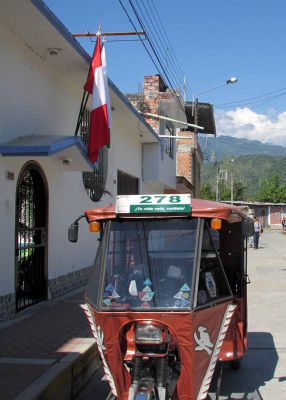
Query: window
x=94 y=182
x=149 y=265
x=169 y=143
x=166 y=128
x=213 y=284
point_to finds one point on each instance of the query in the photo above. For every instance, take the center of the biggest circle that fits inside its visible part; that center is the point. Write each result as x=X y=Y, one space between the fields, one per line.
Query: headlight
x=148 y=333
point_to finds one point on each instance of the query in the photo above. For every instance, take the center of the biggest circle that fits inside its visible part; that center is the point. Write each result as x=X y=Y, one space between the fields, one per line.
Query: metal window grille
x=31 y=280
x=169 y=143
x=94 y=182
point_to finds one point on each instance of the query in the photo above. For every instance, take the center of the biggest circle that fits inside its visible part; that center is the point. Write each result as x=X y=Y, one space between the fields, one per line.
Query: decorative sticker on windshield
x=147 y=296
x=147 y=282
x=115 y=295
x=210 y=284
x=147 y=289
x=109 y=288
x=185 y=288
x=133 y=288
x=179 y=296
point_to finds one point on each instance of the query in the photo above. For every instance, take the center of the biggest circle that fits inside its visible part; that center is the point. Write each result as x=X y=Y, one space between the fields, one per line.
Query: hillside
x=227 y=146
x=250 y=170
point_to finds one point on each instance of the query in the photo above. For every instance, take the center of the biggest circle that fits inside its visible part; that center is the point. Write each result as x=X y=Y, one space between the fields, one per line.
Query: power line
x=156 y=35
x=153 y=36
x=164 y=73
x=134 y=26
x=256 y=99
x=168 y=43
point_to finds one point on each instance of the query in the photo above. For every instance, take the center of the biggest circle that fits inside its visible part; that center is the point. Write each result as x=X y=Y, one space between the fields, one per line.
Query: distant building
x=269 y=214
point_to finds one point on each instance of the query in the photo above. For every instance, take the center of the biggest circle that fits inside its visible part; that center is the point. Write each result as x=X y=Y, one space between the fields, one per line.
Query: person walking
x=257 y=232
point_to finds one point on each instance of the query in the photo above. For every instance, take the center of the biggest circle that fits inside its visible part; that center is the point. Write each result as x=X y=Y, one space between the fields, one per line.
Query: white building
x=42 y=185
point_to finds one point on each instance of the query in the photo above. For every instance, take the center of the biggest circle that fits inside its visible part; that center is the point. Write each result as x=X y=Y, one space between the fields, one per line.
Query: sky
x=206 y=42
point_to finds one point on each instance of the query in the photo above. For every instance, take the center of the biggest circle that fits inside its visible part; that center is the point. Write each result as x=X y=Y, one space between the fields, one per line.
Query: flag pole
x=81 y=111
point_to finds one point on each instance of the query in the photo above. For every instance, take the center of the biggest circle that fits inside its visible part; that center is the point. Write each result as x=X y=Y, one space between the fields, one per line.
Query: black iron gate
x=31 y=208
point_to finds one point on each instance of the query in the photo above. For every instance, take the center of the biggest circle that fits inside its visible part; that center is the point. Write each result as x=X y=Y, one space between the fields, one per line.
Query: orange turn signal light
x=94 y=226
x=216 y=224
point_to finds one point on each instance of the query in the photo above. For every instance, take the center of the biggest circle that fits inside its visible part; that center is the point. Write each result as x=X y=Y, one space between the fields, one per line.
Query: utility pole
x=231 y=188
x=217 y=184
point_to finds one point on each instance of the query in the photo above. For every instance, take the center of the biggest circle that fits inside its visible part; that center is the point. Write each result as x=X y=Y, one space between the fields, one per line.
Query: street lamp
x=229 y=81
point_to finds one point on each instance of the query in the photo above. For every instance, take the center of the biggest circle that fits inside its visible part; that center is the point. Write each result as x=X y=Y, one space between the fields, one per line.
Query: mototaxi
x=167 y=296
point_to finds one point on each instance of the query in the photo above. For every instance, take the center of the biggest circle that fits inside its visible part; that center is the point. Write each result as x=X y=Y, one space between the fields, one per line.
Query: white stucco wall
x=34 y=98
x=156 y=168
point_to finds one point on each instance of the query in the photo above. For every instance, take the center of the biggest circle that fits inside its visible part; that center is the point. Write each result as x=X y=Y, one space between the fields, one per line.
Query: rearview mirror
x=73 y=232
x=248 y=227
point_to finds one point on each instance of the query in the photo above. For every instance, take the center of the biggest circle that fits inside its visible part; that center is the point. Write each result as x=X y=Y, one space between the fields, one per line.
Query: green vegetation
x=255 y=178
x=272 y=189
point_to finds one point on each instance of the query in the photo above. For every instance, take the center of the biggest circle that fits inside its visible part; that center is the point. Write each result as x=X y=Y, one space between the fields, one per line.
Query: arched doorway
x=31 y=237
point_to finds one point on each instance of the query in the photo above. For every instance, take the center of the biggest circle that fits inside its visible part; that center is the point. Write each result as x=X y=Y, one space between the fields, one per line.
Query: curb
x=65 y=378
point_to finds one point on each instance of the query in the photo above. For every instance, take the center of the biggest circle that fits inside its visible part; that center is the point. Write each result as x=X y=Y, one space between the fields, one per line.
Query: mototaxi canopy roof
x=199 y=208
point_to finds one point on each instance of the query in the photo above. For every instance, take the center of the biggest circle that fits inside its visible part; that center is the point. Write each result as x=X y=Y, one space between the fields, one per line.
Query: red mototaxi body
x=225 y=323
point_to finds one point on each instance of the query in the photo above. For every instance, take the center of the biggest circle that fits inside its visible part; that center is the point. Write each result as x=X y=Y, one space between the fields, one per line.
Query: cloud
x=245 y=123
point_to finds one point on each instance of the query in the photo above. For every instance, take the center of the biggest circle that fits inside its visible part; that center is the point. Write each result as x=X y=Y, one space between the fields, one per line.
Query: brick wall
x=67 y=283
x=184 y=155
x=152 y=87
x=7 y=306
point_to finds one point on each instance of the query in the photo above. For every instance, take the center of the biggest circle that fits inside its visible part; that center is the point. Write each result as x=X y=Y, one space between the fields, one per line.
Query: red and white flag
x=100 y=116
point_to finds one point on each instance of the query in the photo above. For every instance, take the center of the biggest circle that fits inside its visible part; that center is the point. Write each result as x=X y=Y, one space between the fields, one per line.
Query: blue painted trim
x=9 y=150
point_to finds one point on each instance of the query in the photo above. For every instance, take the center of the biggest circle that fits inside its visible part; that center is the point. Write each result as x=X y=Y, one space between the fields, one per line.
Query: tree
x=207 y=193
x=272 y=190
x=224 y=191
x=238 y=191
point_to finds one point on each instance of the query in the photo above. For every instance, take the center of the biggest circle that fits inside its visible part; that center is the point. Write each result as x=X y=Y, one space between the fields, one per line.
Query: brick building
x=156 y=98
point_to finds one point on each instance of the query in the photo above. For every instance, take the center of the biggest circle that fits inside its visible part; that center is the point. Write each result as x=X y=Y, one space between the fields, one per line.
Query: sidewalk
x=263 y=370
x=50 y=343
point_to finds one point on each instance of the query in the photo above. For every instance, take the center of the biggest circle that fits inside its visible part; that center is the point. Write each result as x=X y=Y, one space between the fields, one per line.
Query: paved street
x=263 y=371
x=264 y=366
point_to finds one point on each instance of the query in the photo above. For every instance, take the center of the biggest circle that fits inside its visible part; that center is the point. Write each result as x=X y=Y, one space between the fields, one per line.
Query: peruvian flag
x=97 y=85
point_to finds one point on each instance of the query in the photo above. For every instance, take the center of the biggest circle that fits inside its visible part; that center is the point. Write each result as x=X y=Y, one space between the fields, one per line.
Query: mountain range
x=249 y=162
x=227 y=146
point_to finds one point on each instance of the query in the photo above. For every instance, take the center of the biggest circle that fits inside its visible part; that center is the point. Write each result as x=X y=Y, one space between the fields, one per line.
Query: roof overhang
x=46 y=36
x=205 y=116
x=70 y=151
